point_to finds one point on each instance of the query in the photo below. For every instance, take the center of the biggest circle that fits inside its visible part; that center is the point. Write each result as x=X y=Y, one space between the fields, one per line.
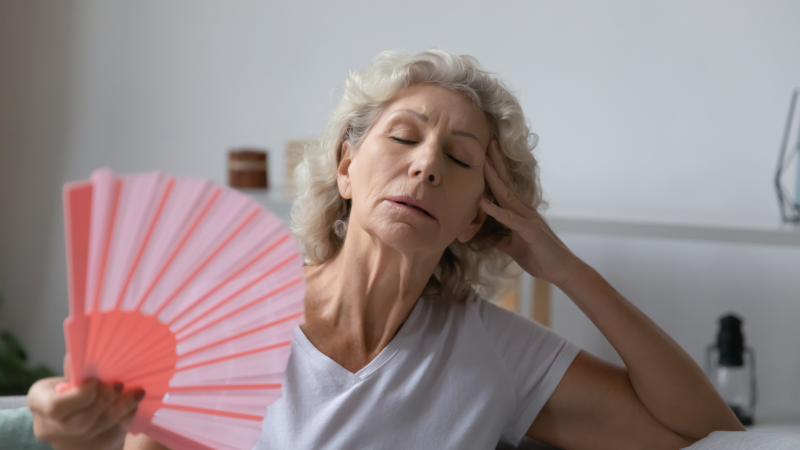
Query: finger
x=121 y=412
x=83 y=421
x=502 y=193
x=502 y=215
x=62 y=404
x=498 y=161
x=43 y=398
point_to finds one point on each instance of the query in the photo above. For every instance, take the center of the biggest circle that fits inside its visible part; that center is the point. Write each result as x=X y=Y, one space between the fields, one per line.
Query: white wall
x=656 y=110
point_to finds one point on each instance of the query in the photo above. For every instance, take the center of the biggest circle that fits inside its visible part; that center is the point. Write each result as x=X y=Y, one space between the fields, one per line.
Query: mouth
x=411 y=205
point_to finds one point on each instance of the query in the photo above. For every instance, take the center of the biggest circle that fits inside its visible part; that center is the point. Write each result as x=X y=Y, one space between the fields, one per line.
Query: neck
x=367 y=290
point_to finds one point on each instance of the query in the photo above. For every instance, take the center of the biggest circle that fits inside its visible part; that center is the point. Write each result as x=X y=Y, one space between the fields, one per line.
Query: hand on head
x=93 y=415
x=532 y=243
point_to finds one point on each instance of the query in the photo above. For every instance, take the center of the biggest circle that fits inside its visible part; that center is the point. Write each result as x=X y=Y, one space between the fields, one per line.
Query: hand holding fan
x=187 y=290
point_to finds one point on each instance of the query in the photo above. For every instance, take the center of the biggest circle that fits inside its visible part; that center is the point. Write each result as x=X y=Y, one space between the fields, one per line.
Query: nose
x=426 y=163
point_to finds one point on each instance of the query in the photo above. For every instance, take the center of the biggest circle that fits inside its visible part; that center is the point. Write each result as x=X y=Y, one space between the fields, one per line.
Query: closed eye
x=403 y=141
x=407 y=142
x=458 y=162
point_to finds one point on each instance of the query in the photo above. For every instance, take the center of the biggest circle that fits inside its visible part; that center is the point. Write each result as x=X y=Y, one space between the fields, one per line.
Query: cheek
x=371 y=178
x=466 y=198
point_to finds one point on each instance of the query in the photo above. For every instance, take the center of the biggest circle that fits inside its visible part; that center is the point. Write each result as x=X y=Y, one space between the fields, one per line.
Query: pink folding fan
x=188 y=290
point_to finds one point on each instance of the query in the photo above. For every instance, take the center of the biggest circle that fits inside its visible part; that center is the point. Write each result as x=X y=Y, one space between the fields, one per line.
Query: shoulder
x=478 y=317
x=498 y=322
x=515 y=338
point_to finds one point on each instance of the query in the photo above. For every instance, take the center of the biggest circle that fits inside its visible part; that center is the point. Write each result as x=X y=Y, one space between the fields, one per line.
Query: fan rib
x=213 y=412
x=132 y=346
x=240 y=309
x=96 y=327
x=179 y=247
x=155 y=353
x=226 y=387
x=133 y=377
x=150 y=228
x=137 y=377
x=234 y=356
x=254 y=330
x=228 y=279
x=174 y=440
x=208 y=260
x=235 y=294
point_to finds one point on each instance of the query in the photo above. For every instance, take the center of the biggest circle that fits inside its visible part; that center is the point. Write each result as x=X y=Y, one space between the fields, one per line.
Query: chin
x=404 y=237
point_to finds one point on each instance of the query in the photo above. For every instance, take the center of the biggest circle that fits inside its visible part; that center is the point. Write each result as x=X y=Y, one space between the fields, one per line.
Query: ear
x=343 y=171
x=474 y=226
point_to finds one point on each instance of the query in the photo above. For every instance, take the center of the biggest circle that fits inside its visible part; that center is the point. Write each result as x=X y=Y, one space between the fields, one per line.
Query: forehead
x=440 y=104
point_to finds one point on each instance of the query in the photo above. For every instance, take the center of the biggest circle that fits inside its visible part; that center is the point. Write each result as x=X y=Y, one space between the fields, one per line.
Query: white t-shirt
x=453 y=377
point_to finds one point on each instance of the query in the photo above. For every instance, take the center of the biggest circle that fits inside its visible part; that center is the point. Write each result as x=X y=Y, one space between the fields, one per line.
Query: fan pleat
x=212 y=304
x=202 y=327
x=206 y=261
x=165 y=266
x=246 y=402
x=271 y=325
x=228 y=279
x=189 y=290
x=143 y=245
x=171 y=439
x=225 y=387
x=212 y=431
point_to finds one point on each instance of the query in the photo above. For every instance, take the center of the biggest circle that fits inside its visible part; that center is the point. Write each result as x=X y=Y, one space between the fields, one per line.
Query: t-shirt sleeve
x=535 y=358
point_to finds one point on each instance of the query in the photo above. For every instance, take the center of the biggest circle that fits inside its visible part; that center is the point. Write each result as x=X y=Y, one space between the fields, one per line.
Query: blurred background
x=665 y=113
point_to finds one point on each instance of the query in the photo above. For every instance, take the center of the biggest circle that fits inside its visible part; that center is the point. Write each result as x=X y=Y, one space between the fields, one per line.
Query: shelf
x=787 y=425
x=759 y=235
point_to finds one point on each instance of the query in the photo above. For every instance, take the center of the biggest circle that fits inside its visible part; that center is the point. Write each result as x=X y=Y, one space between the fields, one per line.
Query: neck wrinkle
x=371 y=289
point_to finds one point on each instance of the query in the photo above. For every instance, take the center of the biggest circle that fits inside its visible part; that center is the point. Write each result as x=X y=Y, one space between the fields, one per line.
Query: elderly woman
x=413 y=204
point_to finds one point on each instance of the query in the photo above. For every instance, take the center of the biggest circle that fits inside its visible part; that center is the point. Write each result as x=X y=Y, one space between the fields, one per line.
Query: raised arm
x=661 y=399
x=660 y=383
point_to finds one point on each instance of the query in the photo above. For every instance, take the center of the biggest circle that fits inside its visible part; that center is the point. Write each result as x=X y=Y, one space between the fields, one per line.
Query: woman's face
x=428 y=146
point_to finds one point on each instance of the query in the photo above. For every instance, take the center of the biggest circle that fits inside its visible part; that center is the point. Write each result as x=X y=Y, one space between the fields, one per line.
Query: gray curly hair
x=320 y=215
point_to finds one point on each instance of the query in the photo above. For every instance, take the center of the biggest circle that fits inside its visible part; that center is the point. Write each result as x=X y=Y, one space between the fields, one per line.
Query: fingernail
x=61 y=387
x=118 y=387
x=138 y=394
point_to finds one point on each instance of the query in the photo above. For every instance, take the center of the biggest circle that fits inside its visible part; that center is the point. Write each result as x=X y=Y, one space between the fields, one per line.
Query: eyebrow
x=425 y=119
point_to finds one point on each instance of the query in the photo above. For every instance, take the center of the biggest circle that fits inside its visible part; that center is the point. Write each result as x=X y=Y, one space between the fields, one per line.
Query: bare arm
x=663 y=376
x=662 y=400
x=595 y=407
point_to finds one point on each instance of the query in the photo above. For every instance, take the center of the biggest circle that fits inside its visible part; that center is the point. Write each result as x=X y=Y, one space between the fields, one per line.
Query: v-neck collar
x=383 y=357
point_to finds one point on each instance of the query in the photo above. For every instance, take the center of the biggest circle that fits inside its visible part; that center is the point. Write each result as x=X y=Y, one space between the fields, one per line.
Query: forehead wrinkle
x=467 y=134
x=416 y=114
